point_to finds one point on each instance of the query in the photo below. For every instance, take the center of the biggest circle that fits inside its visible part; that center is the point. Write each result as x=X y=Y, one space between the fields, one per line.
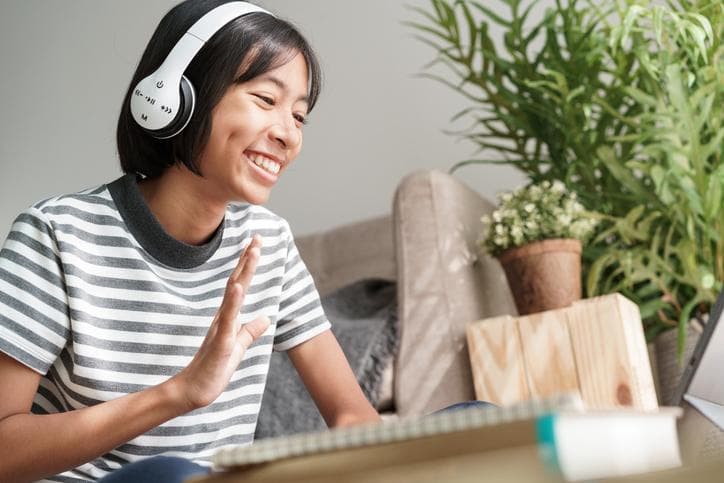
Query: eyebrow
x=283 y=86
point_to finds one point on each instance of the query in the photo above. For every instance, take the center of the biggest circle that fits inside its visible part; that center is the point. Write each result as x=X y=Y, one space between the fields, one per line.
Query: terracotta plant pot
x=544 y=275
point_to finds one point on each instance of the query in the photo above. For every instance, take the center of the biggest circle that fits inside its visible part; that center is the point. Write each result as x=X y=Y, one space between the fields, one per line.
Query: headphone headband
x=163 y=102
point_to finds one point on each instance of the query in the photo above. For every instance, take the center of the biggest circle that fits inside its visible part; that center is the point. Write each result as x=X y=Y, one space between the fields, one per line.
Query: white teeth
x=272 y=166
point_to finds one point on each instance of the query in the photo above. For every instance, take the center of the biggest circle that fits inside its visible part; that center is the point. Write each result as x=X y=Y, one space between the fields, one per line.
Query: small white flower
x=534 y=212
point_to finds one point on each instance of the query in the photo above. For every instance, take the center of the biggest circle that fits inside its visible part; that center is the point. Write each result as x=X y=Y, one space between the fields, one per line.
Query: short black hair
x=259 y=41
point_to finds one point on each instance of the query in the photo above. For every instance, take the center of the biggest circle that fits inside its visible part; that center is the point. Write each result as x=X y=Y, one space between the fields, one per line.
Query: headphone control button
x=159 y=84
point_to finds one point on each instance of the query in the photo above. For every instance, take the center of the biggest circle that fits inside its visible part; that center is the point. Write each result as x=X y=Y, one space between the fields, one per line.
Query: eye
x=265 y=99
x=300 y=119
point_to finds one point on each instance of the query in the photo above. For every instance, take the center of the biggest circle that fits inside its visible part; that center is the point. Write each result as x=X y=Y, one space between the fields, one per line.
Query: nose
x=285 y=133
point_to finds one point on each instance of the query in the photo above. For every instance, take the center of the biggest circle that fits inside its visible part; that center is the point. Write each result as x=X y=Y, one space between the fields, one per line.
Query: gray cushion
x=364 y=321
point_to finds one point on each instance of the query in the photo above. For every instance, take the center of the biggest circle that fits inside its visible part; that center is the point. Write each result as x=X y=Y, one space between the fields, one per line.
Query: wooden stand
x=595 y=347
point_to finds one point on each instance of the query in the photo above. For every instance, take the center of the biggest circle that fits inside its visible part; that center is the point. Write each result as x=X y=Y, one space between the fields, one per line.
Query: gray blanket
x=364 y=320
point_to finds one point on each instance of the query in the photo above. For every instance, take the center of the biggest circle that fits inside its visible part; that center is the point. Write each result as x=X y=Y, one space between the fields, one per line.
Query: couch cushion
x=346 y=254
x=443 y=284
x=364 y=321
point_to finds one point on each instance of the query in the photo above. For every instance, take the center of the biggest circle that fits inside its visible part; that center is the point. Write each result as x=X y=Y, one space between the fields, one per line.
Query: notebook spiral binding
x=358 y=436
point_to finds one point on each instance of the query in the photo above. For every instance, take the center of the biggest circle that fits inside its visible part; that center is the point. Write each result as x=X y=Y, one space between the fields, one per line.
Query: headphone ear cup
x=187 y=101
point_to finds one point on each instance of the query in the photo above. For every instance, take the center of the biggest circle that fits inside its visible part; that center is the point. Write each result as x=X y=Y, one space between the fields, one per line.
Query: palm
x=223 y=349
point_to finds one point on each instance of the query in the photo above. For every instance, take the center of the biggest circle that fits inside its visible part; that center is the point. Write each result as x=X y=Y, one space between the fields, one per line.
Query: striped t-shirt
x=100 y=300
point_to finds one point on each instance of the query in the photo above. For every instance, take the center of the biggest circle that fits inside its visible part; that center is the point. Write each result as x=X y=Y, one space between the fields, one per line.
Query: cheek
x=299 y=145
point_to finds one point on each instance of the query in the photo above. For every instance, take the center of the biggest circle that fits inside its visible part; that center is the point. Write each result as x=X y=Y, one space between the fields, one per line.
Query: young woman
x=137 y=319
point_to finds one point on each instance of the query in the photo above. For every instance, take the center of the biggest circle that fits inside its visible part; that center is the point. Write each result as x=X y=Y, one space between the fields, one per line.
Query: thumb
x=251 y=331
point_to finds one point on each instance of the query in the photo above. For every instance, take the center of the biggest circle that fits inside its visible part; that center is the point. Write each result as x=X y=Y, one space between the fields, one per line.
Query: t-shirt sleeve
x=34 y=319
x=301 y=315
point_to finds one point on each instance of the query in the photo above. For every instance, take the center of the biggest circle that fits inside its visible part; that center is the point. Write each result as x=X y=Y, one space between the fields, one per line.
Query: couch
x=428 y=245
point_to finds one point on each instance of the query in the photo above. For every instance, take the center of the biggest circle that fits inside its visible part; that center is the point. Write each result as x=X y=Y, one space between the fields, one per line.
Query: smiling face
x=256 y=132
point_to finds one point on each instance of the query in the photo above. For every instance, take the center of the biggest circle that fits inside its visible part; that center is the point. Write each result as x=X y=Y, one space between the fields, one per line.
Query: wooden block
x=495 y=346
x=613 y=370
x=595 y=347
x=643 y=371
x=548 y=354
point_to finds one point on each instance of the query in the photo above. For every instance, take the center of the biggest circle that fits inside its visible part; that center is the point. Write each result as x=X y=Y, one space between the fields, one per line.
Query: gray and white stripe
x=87 y=305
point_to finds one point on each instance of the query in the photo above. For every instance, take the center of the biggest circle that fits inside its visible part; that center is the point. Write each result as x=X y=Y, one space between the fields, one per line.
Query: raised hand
x=208 y=373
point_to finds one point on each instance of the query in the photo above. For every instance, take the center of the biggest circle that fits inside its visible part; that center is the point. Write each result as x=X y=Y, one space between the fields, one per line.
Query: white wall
x=66 y=64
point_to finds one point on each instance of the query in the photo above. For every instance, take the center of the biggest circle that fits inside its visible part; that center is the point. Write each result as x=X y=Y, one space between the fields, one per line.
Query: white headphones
x=163 y=102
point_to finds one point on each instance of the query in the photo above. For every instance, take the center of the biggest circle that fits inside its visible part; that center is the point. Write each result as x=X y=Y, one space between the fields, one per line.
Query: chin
x=254 y=197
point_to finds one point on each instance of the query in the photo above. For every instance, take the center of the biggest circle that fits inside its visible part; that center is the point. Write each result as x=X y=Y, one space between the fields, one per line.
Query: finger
x=242 y=259
x=252 y=258
x=230 y=307
x=251 y=331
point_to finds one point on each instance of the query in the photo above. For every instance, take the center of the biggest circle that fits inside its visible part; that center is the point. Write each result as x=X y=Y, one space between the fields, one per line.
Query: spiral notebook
x=271 y=449
x=553 y=434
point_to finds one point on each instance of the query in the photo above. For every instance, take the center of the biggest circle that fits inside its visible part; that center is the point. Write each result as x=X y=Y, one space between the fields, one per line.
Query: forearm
x=34 y=446
x=354 y=415
x=330 y=381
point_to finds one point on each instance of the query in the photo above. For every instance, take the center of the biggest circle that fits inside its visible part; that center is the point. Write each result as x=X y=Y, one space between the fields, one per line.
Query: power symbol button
x=159 y=84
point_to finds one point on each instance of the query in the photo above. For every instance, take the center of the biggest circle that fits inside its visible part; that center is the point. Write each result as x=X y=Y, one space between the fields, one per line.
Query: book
x=551 y=439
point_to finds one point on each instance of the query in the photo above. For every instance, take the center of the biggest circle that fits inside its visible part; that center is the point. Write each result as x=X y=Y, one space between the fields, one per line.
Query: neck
x=179 y=201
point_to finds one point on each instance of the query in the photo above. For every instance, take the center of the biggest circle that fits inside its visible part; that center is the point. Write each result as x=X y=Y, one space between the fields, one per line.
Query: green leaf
x=689 y=188
x=705 y=25
x=713 y=196
x=596 y=271
x=699 y=37
x=491 y=15
x=629 y=20
x=620 y=172
x=429 y=30
x=658 y=22
x=421 y=11
x=649 y=309
x=641 y=97
x=472 y=31
x=468 y=162
x=627 y=226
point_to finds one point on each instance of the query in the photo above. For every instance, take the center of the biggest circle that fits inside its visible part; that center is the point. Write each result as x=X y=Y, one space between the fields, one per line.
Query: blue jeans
x=466 y=405
x=158 y=469
x=167 y=469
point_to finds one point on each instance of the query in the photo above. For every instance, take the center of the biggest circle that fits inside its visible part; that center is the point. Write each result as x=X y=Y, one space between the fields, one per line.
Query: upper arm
x=35 y=320
x=18 y=385
x=301 y=315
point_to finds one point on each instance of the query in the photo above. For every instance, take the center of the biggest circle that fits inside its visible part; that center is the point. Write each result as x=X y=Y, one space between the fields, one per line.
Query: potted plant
x=536 y=233
x=623 y=102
